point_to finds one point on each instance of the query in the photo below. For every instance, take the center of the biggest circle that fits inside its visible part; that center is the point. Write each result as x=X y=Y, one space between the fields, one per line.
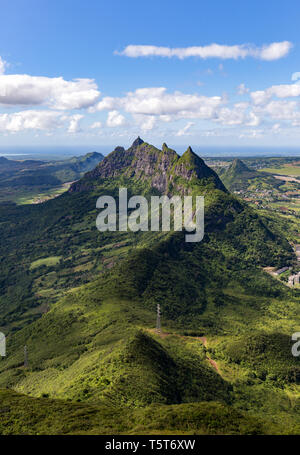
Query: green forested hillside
x=22 y=181
x=239 y=177
x=84 y=304
x=41 y=417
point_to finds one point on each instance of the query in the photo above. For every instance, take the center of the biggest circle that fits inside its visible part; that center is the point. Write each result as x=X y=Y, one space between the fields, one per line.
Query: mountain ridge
x=162 y=168
x=84 y=302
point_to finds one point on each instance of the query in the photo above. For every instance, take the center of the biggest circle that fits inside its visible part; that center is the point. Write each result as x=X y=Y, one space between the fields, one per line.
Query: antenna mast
x=158 y=325
x=25 y=357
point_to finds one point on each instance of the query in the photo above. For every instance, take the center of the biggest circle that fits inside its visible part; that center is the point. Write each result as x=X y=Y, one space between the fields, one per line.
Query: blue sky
x=99 y=72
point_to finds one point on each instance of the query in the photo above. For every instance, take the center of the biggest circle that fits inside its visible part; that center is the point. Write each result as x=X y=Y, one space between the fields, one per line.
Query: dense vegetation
x=84 y=304
x=77 y=418
x=238 y=176
x=22 y=181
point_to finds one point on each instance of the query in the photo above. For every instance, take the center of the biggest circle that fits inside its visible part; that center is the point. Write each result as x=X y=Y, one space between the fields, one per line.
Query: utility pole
x=25 y=357
x=158 y=325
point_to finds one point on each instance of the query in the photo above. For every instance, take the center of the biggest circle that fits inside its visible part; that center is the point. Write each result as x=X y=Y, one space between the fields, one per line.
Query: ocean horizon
x=64 y=152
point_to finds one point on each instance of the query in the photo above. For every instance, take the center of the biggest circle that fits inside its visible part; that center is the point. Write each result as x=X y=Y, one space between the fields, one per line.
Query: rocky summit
x=163 y=169
x=84 y=303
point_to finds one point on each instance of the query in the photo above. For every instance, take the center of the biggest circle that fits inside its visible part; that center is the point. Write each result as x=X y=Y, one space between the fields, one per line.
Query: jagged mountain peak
x=167 y=150
x=192 y=157
x=138 y=141
x=119 y=148
x=153 y=167
x=239 y=166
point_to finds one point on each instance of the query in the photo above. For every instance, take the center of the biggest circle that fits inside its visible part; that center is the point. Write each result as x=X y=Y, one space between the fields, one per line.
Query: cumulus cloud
x=253 y=119
x=115 y=119
x=74 y=123
x=273 y=51
x=238 y=114
x=3 y=65
x=31 y=120
x=254 y=134
x=96 y=125
x=232 y=116
x=57 y=93
x=280 y=91
x=279 y=110
x=147 y=122
x=259 y=97
x=185 y=130
x=149 y=106
x=39 y=120
x=242 y=89
x=156 y=101
x=296 y=76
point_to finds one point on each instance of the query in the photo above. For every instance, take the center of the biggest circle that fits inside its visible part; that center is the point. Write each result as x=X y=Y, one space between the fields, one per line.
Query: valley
x=35 y=181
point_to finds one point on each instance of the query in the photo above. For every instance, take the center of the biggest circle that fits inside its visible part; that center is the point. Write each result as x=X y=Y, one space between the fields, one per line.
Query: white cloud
x=259 y=97
x=39 y=120
x=148 y=106
x=147 y=122
x=275 y=51
x=115 y=119
x=254 y=134
x=279 y=110
x=74 y=123
x=280 y=91
x=22 y=89
x=107 y=103
x=3 y=65
x=236 y=115
x=253 y=119
x=276 y=128
x=185 y=130
x=31 y=120
x=268 y=52
x=296 y=76
x=242 y=89
x=156 y=101
x=96 y=125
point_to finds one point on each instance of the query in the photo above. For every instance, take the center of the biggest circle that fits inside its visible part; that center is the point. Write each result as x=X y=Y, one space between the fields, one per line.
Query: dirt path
x=214 y=364
x=211 y=361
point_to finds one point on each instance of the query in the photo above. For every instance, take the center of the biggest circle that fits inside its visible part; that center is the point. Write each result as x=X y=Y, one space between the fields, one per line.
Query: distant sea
x=64 y=152
x=50 y=153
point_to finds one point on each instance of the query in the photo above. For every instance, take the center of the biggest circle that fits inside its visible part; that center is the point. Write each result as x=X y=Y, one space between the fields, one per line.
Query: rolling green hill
x=84 y=304
x=78 y=418
x=239 y=177
x=24 y=180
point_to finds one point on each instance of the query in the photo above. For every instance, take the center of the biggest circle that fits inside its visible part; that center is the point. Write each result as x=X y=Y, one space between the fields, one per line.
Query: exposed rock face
x=113 y=164
x=137 y=142
x=159 y=168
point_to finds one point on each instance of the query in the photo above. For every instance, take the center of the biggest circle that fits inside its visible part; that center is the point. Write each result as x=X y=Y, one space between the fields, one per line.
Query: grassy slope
x=93 y=345
x=239 y=177
x=89 y=347
x=285 y=170
x=77 y=418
